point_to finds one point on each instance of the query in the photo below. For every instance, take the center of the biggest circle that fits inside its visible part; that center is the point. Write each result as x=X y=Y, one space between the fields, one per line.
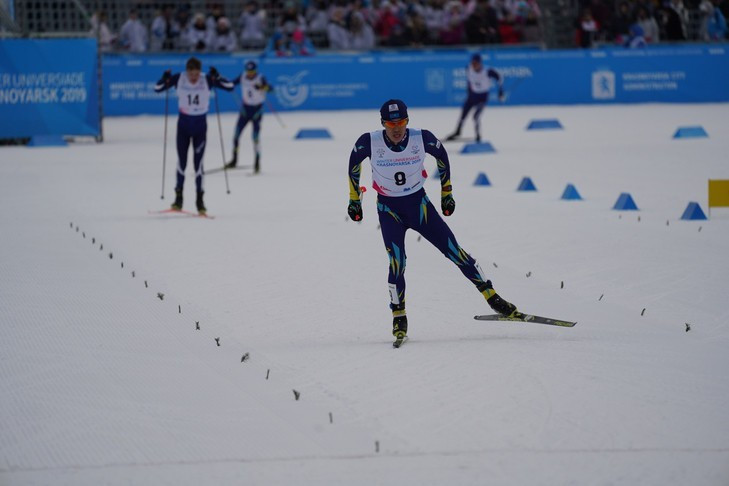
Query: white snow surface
x=103 y=382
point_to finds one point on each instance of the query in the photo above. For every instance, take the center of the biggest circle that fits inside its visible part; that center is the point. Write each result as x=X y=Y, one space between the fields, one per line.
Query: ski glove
x=214 y=74
x=166 y=76
x=355 y=210
x=447 y=204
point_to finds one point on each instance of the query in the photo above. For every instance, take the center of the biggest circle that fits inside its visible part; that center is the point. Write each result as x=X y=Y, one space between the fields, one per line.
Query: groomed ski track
x=107 y=380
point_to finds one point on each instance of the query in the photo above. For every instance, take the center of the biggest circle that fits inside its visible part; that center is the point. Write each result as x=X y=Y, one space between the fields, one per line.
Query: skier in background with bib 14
x=193 y=98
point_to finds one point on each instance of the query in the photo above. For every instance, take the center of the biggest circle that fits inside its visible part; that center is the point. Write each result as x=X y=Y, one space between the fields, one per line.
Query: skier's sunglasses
x=393 y=124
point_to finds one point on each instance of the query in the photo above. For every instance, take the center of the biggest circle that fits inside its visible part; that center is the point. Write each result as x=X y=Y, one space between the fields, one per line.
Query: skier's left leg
x=199 y=139
x=437 y=232
x=477 y=119
x=257 y=118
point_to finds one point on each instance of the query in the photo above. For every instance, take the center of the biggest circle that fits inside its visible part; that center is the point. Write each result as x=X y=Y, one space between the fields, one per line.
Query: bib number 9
x=400 y=178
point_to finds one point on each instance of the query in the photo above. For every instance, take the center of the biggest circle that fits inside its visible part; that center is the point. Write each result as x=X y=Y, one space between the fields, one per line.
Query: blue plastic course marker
x=47 y=141
x=481 y=180
x=625 y=203
x=570 y=193
x=693 y=211
x=545 y=124
x=526 y=184
x=478 y=148
x=313 y=133
x=691 y=132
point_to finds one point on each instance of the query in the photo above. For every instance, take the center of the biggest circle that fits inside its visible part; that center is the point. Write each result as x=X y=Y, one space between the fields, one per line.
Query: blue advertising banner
x=48 y=87
x=670 y=74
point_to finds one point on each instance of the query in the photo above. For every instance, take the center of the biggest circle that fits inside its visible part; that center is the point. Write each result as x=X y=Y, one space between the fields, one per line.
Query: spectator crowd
x=301 y=27
x=636 y=23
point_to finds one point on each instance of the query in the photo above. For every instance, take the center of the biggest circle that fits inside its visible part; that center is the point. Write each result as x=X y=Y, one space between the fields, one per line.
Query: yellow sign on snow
x=718 y=193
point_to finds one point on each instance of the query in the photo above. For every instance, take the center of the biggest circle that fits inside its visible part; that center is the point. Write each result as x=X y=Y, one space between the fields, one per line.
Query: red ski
x=182 y=212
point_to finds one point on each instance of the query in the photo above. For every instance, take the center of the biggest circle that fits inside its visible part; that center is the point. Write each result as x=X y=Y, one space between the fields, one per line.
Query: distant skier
x=479 y=84
x=397 y=154
x=193 y=97
x=253 y=91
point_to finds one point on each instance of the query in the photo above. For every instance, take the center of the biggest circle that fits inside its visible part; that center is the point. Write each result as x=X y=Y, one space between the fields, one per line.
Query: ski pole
x=222 y=147
x=362 y=190
x=164 y=143
x=514 y=85
x=238 y=101
x=275 y=113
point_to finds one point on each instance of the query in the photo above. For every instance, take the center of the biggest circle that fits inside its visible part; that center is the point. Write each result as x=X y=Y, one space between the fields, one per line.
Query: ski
x=182 y=212
x=399 y=342
x=526 y=318
x=221 y=169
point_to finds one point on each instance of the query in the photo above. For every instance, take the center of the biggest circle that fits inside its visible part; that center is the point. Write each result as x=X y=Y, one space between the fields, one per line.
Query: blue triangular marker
x=526 y=184
x=570 y=193
x=547 y=124
x=625 y=203
x=478 y=148
x=693 y=211
x=690 y=132
x=313 y=133
x=482 y=180
x=47 y=141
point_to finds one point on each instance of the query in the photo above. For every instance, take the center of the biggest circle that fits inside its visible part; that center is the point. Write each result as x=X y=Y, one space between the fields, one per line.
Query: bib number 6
x=400 y=178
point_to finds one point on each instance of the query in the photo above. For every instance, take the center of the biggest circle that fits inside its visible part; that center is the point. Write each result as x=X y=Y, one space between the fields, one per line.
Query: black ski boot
x=399 y=321
x=453 y=136
x=200 y=204
x=234 y=161
x=400 y=326
x=496 y=302
x=177 y=205
x=399 y=330
x=257 y=164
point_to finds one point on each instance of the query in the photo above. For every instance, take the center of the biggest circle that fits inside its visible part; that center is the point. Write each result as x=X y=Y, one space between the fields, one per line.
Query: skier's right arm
x=360 y=152
x=167 y=81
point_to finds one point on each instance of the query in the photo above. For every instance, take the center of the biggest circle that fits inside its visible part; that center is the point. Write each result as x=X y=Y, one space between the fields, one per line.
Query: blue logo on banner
x=603 y=85
x=290 y=90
